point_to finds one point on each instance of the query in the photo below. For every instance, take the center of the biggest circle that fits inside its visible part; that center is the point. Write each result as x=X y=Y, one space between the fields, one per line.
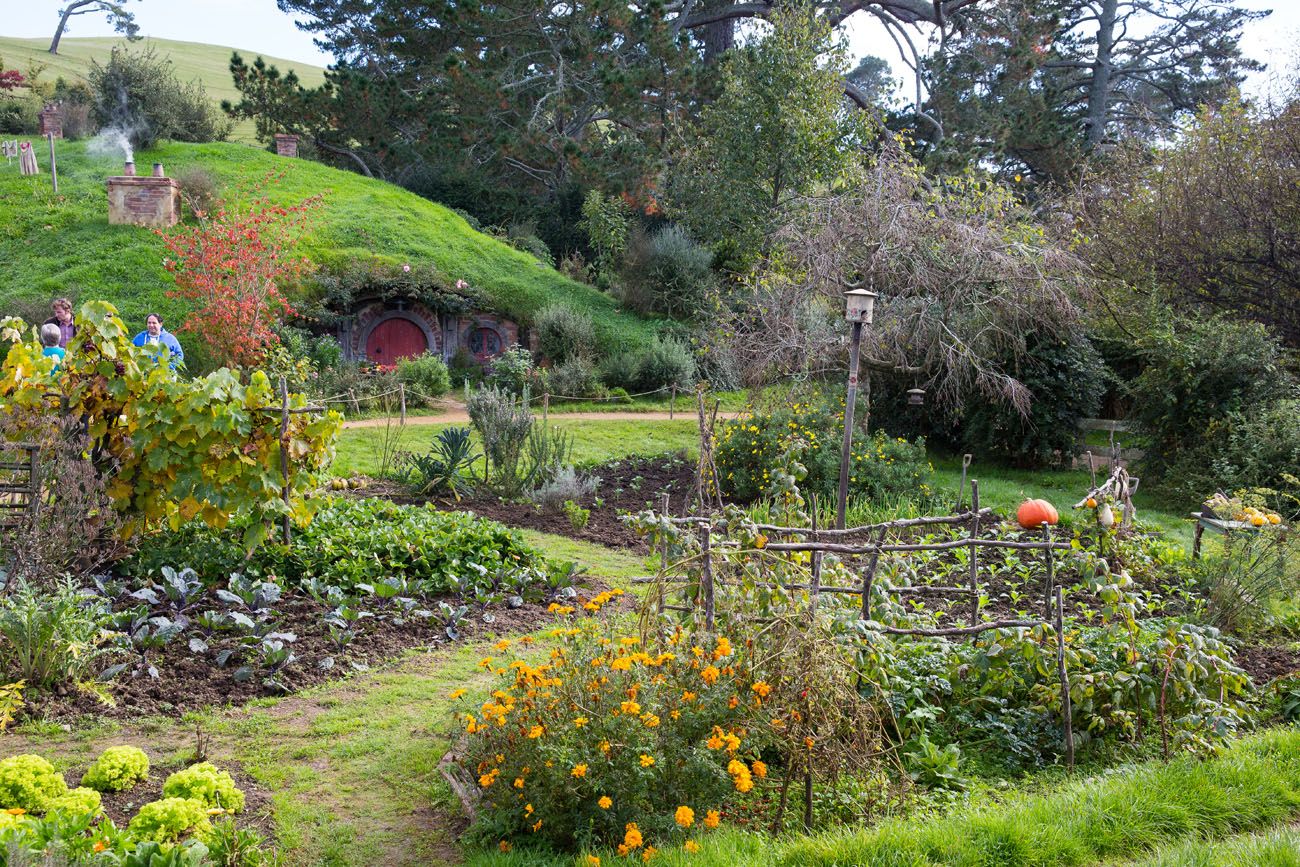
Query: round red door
x=394 y=339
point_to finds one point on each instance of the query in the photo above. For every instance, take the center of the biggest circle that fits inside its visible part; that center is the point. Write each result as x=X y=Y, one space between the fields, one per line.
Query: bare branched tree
x=964 y=277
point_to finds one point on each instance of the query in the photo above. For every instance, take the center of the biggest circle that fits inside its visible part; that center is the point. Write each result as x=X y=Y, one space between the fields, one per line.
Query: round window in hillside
x=484 y=343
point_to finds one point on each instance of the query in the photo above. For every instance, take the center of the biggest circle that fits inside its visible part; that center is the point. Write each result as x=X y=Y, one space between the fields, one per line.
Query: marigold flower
x=647 y=761
x=504 y=846
x=808 y=742
x=744 y=784
x=650 y=720
x=485 y=662
x=593 y=861
x=712 y=819
x=710 y=675
x=691 y=846
x=688 y=696
x=761 y=688
x=579 y=770
x=581 y=721
x=675 y=713
x=759 y=769
x=621 y=664
x=684 y=816
x=16 y=811
x=632 y=836
x=605 y=802
x=603 y=746
x=733 y=701
x=99 y=846
x=536 y=732
x=502 y=644
x=623 y=850
x=519 y=782
x=528 y=810
x=650 y=852
x=631 y=708
x=455 y=694
x=537 y=826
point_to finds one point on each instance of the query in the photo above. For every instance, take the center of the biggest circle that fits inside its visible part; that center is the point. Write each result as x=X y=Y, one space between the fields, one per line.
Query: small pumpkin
x=1034 y=513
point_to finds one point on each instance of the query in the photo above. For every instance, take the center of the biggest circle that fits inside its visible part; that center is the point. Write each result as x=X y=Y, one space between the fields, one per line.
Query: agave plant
x=447 y=465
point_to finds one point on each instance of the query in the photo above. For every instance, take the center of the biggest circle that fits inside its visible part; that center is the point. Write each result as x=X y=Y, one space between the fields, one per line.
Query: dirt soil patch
x=1265 y=664
x=627 y=485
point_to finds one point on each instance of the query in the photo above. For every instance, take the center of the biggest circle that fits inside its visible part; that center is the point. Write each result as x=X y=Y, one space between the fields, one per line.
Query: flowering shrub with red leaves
x=11 y=79
x=230 y=267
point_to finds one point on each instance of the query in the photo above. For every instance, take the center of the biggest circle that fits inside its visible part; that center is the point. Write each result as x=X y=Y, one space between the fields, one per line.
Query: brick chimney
x=52 y=120
x=137 y=200
x=286 y=145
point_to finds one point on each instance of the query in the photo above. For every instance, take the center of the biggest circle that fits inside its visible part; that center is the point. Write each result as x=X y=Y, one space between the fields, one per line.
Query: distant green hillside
x=209 y=64
x=54 y=245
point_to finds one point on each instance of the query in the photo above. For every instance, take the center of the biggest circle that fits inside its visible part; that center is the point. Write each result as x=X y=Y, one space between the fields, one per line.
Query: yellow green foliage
x=77 y=802
x=30 y=783
x=117 y=769
x=207 y=783
x=169 y=819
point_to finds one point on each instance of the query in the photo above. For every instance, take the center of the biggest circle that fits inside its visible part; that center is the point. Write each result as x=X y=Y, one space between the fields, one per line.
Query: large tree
x=118 y=15
x=1036 y=85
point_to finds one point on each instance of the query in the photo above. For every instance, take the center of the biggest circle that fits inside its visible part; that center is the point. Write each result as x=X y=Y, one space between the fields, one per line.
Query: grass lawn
x=191 y=61
x=362 y=450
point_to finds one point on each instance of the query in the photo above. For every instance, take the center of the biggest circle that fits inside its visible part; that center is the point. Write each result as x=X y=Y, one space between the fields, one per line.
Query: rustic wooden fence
x=20 y=483
x=860 y=548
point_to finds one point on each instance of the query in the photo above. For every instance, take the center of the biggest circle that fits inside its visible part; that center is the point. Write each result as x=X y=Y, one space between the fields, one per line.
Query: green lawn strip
x=362 y=450
x=1279 y=847
x=1121 y=814
x=614 y=566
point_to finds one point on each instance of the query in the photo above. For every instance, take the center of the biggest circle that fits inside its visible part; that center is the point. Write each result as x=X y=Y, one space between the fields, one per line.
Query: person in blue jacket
x=158 y=337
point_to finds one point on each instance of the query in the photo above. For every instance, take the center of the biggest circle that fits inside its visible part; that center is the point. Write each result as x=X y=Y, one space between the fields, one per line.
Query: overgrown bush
x=169 y=819
x=30 y=783
x=573 y=378
x=207 y=783
x=663 y=363
x=199 y=188
x=138 y=93
x=425 y=376
x=513 y=371
x=1258 y=449
x=117 y=769
x=751 y=447
x=667 y=272
x=564 y=334
x=51 y=637
x=1067 y=379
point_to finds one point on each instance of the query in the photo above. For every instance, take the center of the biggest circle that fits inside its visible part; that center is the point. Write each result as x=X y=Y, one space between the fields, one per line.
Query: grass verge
x=1275 y=848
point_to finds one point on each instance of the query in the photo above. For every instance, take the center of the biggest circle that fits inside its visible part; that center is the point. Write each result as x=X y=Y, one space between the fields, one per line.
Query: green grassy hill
x=63 y=245
x=208 y=64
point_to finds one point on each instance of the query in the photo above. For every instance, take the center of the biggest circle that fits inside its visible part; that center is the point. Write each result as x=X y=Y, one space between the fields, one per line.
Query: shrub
x=117 y=769
x=1258 y=449
x=448 y=465
x=618 y=371
x=207 y=783
x=199 y=188
x=30 y=783
x=77 y=802
x=1067 y=378
x=139 y=94
x=169 y=819
x=577 y=515
x=748 y=448
x=573 y=378
x=427 y=375
x=661 y=364
x=667 y=273
x=513 y=370
x=567 y=485
x=564 y=333
x=51 y=637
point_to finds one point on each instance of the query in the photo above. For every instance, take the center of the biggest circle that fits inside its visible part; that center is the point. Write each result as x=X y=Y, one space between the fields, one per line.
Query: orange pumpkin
x=1034 y=513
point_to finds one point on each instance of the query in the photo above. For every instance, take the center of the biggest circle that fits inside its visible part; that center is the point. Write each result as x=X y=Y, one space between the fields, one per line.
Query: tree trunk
x=1102 y=74
x=68 y=12
x=717 y=38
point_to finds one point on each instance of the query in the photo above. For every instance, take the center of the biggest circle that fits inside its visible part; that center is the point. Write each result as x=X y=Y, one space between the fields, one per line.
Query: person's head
x=153 y=324
x=62 y=309
x=50 y=335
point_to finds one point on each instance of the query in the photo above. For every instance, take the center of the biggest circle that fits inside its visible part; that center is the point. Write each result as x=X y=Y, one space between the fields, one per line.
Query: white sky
x=258 y=26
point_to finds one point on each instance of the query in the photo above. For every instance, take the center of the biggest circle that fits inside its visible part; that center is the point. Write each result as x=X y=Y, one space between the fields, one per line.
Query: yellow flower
x=632 y=836
x=691 y=846
x=536 y=732
x=605 y=802
x=631 y=708
x=519 y=782
x=684 y=816
x=760 y=769
x=688 y=696
x=650 y=852
x=808 y=742
x=537 y=826
x=603 y=746
x=650 y=720
x=647 y=761
x=504 y=846
x=621 y=664
x=761 y=688
x=528 y=810
x=16 y=811
x=502 y=644
x=455 y=694
x=485 y=662
x=710 y=675
x=712 y=819
x=581 y=721
x=593 y=861
x=744 y=784
x=579 y=770
x=489 y=778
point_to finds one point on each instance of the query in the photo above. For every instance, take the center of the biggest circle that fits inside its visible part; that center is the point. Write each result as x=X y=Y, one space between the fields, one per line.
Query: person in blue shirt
x=160 y=338
x=50 y=337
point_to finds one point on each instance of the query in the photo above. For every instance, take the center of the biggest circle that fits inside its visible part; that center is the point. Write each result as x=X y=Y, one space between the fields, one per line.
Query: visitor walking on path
x=50 y=340
x=160 y=338
x=63 y=319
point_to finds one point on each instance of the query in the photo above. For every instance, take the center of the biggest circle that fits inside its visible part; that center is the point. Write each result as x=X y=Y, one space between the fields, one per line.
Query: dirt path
x=457 y=415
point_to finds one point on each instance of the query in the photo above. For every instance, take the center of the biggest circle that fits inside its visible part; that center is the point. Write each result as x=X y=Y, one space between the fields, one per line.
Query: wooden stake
x=869 y=576
x=1066 y=708
x=284 y=455
x=974 y=552
x=54 y=170
x=356 y=407
x=663 y=570
x=706 y=578
x=1050 y=584
x=672 y=403
x=815 y=590
x=401 y=391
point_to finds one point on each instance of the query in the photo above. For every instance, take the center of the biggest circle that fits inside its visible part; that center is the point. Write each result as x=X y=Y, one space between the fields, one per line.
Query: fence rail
x=20 y=483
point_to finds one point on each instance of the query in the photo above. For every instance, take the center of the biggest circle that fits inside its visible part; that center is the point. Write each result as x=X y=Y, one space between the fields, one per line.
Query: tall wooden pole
x=850 y=402
x=54 y=170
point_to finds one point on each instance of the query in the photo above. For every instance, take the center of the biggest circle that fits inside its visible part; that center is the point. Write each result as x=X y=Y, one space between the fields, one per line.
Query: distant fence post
x=284 y=456
x=974 y=552
x=1066 y=709
x=706 y=577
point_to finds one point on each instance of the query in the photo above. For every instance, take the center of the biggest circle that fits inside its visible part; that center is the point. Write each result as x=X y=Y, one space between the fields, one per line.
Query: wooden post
x=1051 y=572
x=663 y=572
x=546 y=406
x=34 y=481
x=54 y=170
x=807 y=794
x=869 y=576
x=961 y=489
x=816 y=585
x=706 y=577
x=974 y=552
x=284 y=454
x=672 y=402
x=401 y=391
x=850 y=401
x=1066 y=708
x=356 y=407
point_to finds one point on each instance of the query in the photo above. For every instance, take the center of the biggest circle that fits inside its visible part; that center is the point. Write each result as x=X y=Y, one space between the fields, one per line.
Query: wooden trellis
x=20 y=483
x=861 y=548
